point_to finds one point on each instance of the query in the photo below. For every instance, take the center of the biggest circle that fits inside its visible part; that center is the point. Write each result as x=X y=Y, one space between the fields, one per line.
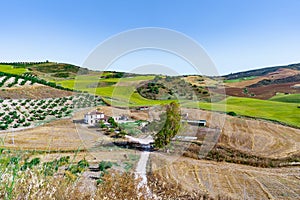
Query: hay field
x=228 y=180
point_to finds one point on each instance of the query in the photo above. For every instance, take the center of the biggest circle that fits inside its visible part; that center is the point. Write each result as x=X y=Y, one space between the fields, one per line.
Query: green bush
x=103 y=165
x=61 y=75
x=231 y=113
x=79 y=167
x=31 y=164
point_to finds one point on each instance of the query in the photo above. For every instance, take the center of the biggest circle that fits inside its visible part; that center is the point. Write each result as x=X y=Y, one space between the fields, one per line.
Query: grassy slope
x=287 y=113
x=126 y=96
x=81 y=82
x=118 y=95
x=11 y=70
x=290 y=98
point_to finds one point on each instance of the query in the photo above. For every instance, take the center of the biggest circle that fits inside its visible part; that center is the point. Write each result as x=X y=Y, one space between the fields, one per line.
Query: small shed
x=196 y=122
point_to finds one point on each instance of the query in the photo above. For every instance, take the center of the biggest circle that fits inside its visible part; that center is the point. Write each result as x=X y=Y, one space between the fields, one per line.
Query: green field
x=239 y=79
x=288 y=98
x=287 y=113
x=10 y=69
x=83 y=81
x=126 y=95
x=121 y=93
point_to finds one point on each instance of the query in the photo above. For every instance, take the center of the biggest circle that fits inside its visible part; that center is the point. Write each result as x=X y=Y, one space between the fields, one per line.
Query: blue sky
x=237 y=35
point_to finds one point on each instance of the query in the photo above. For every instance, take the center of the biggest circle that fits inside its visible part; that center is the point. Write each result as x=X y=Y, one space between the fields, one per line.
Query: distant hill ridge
x=65 y=70
x=260 y=72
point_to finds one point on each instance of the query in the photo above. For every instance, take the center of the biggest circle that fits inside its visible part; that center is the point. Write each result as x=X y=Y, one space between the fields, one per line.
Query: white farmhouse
x=94 y=117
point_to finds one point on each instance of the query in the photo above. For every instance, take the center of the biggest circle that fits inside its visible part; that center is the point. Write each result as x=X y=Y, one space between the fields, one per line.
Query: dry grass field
x=64 y=134
x=226 y=179
x=262 y=92
x=279 y=74
x=36 y=91
x=257 y=137
x=56 y=135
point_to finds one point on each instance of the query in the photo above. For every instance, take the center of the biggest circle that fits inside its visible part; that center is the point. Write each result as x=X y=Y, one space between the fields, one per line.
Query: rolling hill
x=261 y=72
x=125 y=89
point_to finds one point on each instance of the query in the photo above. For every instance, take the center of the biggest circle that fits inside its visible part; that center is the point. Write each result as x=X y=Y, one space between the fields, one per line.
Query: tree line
x=34 y=79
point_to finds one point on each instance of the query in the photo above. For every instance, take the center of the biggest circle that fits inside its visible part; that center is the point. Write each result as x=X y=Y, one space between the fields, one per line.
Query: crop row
x=14 y=79
x=26 y=112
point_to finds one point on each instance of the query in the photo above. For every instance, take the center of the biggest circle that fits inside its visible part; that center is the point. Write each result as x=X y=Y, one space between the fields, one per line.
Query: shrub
x=3 y=126
x=31 y=164
x=231 y=113
x=103 y=165
x=79 y=167
x=27 y=124
x=112 y=122
x=16 y=125
x=23 y=82
x=22 y=120
x=61 y=75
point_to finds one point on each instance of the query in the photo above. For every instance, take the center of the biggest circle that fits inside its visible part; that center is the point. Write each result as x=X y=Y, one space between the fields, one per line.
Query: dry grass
x=56 y=135
x=33 y=185
x=279 y=74
x=228 y=180
x=33 y=92
x=256 y=137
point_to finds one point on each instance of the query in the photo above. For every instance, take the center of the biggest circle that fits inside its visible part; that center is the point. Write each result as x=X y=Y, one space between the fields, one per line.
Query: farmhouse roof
x=94 y=113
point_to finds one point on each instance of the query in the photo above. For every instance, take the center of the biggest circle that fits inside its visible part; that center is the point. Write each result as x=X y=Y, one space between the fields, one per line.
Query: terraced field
x=226 y=179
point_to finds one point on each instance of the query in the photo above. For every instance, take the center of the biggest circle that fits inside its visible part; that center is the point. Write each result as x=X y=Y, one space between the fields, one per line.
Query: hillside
x=224 y=180
x=287 y=113
x=263 y=83
x=289 y=98
x=127 y=89
x=260 y=72
x=42 y=106
x=172 y=88
x=37 y=91
x=44 y=70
